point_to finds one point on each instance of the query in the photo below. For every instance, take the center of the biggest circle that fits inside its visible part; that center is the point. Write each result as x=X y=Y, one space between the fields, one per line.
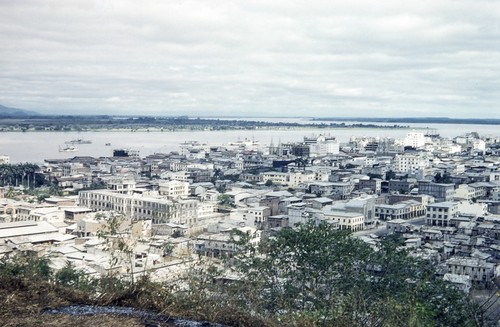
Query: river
x=37 y=146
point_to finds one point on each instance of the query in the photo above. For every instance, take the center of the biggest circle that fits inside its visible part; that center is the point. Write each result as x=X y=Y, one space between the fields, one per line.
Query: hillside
x=15 y=112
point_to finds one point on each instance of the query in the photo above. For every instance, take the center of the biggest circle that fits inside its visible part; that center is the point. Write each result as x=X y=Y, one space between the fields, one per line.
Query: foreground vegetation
x=312 y=276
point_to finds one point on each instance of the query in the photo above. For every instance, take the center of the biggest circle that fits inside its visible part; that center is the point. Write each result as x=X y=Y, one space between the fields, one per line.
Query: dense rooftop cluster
x=156 y=215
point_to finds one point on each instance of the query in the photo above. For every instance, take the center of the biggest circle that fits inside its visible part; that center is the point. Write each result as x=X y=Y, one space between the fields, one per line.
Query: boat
x=107 y=144
x=79 y=141
x=68 y=148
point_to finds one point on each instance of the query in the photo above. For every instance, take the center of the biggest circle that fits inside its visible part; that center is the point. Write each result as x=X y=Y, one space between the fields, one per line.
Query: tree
x=301 y=162
x=269 y=183
x=116 y=232
x=68 y=276
x=324 y=275
x=225 y=200
x=390 y=175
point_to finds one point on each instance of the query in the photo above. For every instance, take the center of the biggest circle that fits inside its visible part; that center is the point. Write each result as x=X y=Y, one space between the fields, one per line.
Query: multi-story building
x=257 y=216
x=339 y=190
x=275 y=177
x=441 y=192
x=364 y=205
x=468 y=192
x=402 y=210
x=322 y=145
x=134 y=206
x=346 y=220
x=121 y=185
x=402 y=186
x=410 y=163
x=440 y=213
x=374 y=185
x=414 y=139
x=297 y=178
x=174 y=189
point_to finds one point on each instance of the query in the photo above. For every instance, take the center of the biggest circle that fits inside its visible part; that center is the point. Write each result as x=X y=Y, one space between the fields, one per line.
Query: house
x=224 y=243
x=482 y=273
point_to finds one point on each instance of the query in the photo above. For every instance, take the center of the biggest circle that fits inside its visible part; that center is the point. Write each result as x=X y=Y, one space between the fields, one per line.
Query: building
x=74 y=214
x=336 y=190
x=135 y=206
x=441 y=192
x=398 y=226
x=174 y=189
x=322 y=145
x=373 y=185
x=402 y=210
x=402 y=186
x=224 y=243
x=346 y=220
x=410 y=163
x=440 y=213
x=275 y=177
x=364 y=205
x=482 y=273
x=414 y=139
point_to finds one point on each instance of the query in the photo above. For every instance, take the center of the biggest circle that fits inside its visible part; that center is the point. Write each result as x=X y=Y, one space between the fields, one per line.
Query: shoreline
x=206 y=129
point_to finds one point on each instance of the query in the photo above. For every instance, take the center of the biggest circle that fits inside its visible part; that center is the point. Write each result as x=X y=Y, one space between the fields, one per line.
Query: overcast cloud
x=259 y=57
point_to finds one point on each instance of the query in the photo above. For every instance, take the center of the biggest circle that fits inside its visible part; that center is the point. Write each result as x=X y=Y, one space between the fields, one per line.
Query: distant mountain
x=14 y=112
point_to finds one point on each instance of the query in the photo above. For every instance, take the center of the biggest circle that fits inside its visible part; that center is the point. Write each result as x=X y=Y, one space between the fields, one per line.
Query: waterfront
x=37 y=146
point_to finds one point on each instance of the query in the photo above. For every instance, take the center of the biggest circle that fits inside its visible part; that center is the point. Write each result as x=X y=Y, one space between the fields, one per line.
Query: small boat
x=68 y=148
x=107 y=144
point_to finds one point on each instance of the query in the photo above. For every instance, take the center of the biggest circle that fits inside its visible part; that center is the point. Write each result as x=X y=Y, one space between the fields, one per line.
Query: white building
x=346 y=220
x=297 y=178
x=275 y=177
x=410 y=163
x=472 y=209
x=414 y=139
x=4 y=159
x=440 y=213
x=468 y=192
x=322 y=145
x=174 y=189
x=401 y=210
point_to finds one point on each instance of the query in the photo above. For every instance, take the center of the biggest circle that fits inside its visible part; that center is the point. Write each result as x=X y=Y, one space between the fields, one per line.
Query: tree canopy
x=327 y=277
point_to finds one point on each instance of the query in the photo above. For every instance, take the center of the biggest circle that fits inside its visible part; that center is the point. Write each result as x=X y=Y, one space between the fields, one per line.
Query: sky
x=334 y=58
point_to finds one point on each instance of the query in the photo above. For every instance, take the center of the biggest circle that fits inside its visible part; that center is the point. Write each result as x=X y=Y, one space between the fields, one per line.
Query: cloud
x=239 y=57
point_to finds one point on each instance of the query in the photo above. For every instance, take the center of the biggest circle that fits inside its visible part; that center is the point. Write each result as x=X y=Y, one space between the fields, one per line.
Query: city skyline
x=260 y=58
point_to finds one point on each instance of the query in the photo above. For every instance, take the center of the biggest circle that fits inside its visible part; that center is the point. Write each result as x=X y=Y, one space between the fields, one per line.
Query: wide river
x=37 y=146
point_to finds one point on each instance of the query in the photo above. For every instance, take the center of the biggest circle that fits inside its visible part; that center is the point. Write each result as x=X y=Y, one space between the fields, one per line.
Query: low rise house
x=224 y=243
x=482 y=273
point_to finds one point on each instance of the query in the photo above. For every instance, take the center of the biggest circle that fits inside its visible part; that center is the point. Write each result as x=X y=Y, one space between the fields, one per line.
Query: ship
x=79 y=141
x=68 y=148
